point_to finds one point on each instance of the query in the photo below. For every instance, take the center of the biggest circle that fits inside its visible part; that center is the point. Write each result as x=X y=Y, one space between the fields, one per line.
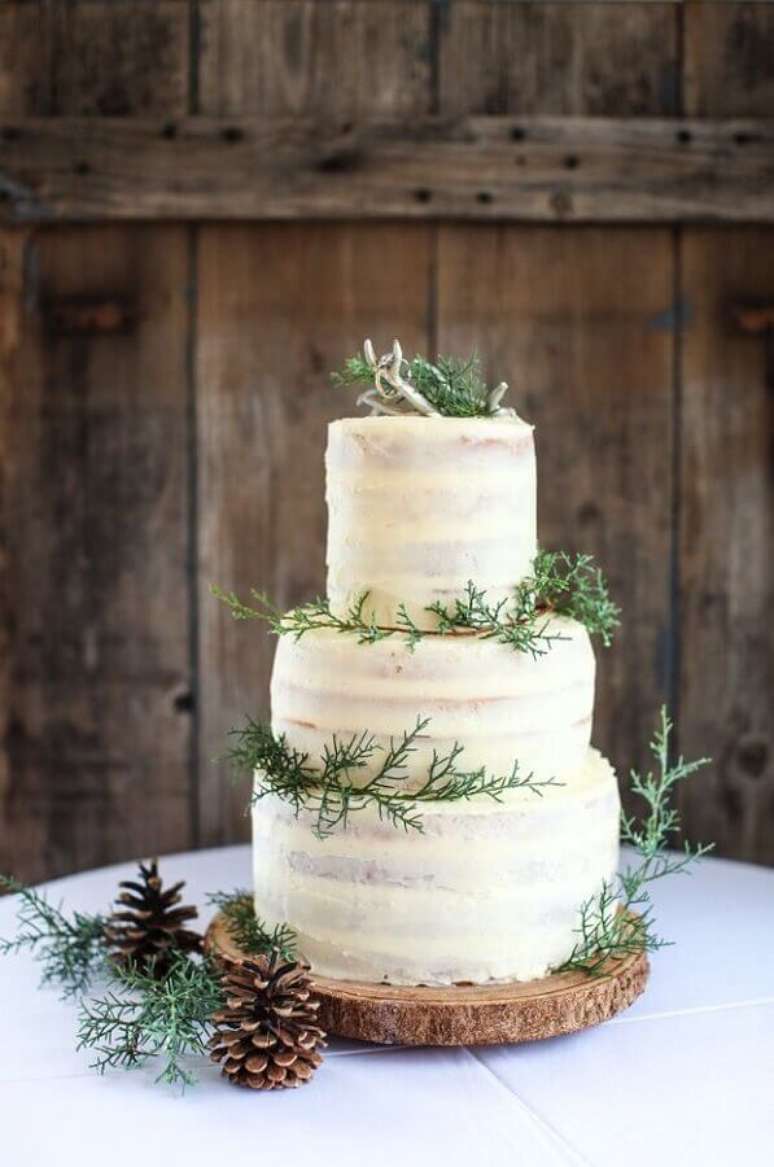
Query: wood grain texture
x=26 y=47
x=497 y=168
x=97 y=730
x=120 y=59
x=467 y=1015
x=343 y=58
x=279 y=307
x=13 y=248
x=728 y=59
x=97 y=745
x=609 y=60
x=578 y=324
x=726 y=690
x=726 y=521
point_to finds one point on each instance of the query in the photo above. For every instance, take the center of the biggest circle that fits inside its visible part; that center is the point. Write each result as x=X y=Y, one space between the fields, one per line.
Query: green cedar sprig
x=521 y=629
x=619 y=920
x=560 y=584
x=567 y=585
x=570 y=585
x=305 y=618
x=324 y=788
x=248 y=931
x=142 y=1017
x=70 y=949
x=454 y=387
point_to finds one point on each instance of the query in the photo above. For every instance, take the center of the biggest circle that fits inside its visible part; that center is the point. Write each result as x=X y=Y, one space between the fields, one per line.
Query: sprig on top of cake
x=444 y=686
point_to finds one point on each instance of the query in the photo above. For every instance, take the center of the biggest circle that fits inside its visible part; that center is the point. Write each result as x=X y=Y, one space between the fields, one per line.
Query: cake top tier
x=413 y=438
x=419 y=507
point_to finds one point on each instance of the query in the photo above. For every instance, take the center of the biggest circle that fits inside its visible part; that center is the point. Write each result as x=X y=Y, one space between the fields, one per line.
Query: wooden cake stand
x=466 y=1014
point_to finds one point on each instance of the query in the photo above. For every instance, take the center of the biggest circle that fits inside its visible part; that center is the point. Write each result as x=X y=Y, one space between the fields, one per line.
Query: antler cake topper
x=395 y=393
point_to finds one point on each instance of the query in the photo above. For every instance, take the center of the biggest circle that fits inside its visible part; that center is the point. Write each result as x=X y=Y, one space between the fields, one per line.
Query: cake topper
x=398 y=387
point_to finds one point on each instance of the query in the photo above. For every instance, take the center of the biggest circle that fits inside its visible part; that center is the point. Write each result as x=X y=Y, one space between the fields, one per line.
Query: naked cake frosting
x=489 y=889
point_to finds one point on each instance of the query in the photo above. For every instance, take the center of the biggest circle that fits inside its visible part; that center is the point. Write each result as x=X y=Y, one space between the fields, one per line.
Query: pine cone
x=267 y=1035
x=150 y=929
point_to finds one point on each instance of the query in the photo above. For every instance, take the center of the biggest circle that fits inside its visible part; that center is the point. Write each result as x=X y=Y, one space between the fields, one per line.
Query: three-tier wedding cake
x=431 y=532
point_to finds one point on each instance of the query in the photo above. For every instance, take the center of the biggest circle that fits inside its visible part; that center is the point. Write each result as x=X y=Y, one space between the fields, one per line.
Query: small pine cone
x=150 y=928
x=267 y=1035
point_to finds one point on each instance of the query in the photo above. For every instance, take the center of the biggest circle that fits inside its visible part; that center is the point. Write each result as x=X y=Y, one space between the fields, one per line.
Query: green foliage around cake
x=453 y=387
x=620 y=919
x=129 y=1015
x=142 y=1017
x=248 y=931
x=561 y=584
x=324 y=789
x=305 y=618
x=70 y=949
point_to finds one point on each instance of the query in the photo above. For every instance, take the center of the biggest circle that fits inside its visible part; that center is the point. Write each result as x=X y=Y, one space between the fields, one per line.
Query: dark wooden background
x=199 y=218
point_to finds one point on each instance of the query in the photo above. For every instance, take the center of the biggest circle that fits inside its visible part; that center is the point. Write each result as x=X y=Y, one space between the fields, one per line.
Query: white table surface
x=685 y=1077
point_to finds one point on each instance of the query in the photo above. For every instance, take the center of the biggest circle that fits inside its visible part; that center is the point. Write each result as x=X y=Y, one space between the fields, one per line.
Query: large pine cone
x=150 y=928
x=267 y=1035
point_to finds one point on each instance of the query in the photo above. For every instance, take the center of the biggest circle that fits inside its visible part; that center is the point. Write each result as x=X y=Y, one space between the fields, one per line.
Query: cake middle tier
x=503 y=706
x=419 y=506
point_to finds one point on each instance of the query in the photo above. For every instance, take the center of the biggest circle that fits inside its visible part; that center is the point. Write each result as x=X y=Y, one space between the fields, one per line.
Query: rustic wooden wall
x=163 y=391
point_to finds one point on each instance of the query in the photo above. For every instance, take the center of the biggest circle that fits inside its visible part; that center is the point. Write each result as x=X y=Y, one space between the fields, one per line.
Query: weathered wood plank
x=26 y=46
x=12 y=251
x=726 y=518
x=295 y=57
x=726 y=691
x=98 y=723
x=96 y=732
x=279 y=307
x=602 y=59
x=729 y=59
x=579 y=324
x=532 y=169
x=125 y=58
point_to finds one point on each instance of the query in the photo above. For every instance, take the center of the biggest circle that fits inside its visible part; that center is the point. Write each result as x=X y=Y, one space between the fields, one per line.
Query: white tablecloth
x=685 y=1077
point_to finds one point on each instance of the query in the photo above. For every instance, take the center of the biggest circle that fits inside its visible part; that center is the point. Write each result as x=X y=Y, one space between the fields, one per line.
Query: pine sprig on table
x=162 y=1007
x=143 y=1017
x=619 y=920
x=248 y=931
x=562 y=584
x=70 y=949
x=324 y=789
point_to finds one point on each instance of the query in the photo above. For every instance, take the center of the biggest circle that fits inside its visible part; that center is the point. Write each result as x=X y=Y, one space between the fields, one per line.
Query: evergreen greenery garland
x=323 y=788
x=560 y=584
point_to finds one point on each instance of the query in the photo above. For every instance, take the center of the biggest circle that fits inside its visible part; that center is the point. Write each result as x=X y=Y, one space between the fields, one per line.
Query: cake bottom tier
x=489 y=891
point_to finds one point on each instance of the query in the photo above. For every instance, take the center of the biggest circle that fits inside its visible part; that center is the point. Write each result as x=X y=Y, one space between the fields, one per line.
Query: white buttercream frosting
x=501 y=705
x=489 y=891
x=418 y=506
